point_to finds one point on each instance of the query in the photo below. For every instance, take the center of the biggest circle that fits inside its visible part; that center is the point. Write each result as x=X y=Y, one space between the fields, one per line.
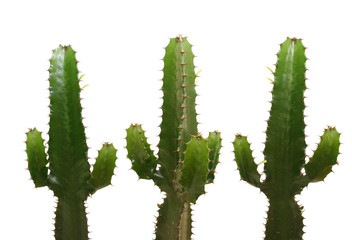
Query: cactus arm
x=195 y=168
x=103 y=167
x=179 y=116
x=142 y=157
x=325 y=156
x=245 y=161
x=37 y=158
x=285 y=144
x=214 y=145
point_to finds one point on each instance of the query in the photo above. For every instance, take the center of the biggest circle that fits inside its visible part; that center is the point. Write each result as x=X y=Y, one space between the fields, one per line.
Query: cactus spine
x=186 y=161
x=69 y=178
x=285 y=148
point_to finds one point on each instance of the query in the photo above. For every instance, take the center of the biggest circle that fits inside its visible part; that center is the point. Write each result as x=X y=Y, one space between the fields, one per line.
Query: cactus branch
x=195 y=169
x=103 y=167
x=139 y=152
x=325 y=156
x=245 y=161
x=37 y=158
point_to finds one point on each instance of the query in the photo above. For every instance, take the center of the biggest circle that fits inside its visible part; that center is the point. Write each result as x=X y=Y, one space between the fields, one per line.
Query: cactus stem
x=285 y=147
x=177 y=129
x=67 y=152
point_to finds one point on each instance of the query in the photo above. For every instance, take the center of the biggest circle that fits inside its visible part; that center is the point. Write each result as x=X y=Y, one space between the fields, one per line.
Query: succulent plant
x=284 y=151
x=186 y=161
x=65 y=168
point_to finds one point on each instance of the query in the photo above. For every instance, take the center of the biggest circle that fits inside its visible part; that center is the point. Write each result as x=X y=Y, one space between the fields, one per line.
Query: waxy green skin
x=284 y=151
x=186 y=161
x=70 y=177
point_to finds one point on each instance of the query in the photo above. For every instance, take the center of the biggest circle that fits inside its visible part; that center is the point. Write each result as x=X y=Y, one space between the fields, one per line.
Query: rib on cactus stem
x=285 y=145
x=70 y=178
x=186 y=161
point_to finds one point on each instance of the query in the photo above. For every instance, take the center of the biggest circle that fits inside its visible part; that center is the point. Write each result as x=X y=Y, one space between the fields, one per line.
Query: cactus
x=186 y=161
x=284 y=151
x=69 y=178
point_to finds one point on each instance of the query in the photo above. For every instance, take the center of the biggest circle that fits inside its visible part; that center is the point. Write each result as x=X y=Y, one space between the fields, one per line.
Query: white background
x=119 y=45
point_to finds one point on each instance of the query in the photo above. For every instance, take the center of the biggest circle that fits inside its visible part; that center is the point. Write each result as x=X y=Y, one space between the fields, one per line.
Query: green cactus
x=186 y=161
x=69 y=174
x=285 y=148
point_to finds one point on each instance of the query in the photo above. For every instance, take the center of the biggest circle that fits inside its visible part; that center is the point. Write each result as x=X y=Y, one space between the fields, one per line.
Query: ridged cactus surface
x=284 y=151
x=186 y=161
x=65 y=168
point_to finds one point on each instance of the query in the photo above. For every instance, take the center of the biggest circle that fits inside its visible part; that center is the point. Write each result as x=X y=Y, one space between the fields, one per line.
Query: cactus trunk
x=284 y=220
x=168 y=221
x=71 y=220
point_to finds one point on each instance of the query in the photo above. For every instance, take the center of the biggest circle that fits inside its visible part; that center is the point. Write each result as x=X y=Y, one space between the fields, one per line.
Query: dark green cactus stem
x=69 y=170
x=285 y=145
x=186 y=161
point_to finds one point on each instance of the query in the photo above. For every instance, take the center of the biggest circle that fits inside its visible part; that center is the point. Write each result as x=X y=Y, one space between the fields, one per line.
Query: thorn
x=272 y=81
x=270 y=69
